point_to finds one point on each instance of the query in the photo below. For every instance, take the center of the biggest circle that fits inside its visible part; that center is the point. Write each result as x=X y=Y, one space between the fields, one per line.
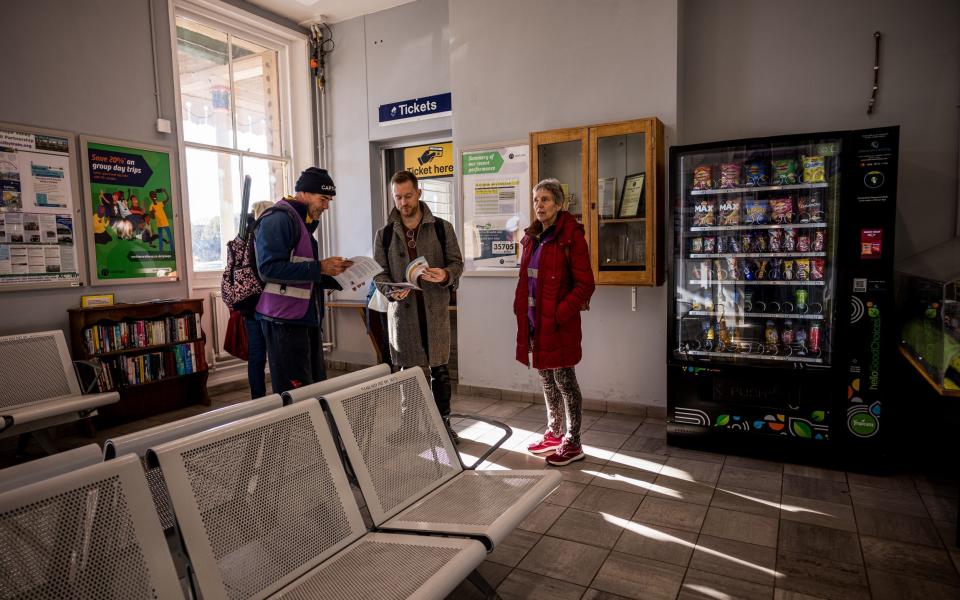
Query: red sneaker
x=548 y=443
x=566 y=454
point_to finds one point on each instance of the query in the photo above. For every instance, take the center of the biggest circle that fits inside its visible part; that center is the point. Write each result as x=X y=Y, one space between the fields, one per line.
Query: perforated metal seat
x=410 y=473
x=316 y=390
x=38 y=386
x=87 y=533
x=264 y=508
x=139 y=442
x=48 y=466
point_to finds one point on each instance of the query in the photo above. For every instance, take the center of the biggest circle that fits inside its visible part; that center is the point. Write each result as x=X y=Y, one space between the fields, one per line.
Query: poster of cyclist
x=130 y=200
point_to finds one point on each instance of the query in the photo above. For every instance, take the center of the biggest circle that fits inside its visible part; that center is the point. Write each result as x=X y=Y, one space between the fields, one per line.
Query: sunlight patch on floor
x=654 y=534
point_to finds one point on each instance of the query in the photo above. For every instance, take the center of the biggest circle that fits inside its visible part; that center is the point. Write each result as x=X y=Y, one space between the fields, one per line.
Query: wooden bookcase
x=595 y=162
x=172 y=391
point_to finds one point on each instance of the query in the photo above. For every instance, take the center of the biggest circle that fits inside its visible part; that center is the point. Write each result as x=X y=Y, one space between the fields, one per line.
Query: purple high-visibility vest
x=289 y=300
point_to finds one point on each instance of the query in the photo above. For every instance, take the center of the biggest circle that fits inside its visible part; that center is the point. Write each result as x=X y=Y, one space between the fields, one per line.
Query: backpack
x=240 y=284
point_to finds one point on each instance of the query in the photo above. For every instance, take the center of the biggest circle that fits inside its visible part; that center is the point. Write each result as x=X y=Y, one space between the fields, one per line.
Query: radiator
x=220 y=316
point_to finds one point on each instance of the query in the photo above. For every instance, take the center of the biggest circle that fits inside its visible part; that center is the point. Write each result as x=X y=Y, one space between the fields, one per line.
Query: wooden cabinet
x=613 y=175
x=153 y=354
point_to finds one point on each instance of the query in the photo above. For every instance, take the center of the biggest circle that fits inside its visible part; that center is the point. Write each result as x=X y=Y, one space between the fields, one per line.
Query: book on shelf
x=131 y=335
x=123 y=370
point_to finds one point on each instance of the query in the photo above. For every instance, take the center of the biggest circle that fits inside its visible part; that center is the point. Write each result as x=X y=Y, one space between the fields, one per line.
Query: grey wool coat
x=402 y=318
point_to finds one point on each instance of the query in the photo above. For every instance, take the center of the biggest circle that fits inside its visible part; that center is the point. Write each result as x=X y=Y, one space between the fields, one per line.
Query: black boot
x=442 y=390
x=454 y=436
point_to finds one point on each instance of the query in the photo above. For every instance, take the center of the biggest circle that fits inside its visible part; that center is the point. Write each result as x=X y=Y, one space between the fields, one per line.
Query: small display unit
x=928 y=299
x=612 y=177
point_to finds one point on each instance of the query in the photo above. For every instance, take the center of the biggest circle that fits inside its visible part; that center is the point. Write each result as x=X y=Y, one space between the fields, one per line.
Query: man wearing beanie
x=290 y=309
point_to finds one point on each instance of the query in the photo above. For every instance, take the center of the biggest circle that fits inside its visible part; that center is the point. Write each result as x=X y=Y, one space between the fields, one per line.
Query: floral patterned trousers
x=561 y=392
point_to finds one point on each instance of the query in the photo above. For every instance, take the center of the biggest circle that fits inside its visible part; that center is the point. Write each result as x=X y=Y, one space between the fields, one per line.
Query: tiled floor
x=640 y=519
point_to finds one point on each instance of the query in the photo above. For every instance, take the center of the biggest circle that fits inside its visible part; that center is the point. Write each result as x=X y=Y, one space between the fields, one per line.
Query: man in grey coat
x=419 y=320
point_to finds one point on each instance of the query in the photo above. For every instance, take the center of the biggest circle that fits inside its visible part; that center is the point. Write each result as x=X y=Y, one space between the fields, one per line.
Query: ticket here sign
x=430 y=160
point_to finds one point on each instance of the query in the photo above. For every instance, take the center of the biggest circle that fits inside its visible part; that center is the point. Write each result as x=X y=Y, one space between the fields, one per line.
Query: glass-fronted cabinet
x=928 y=303
x=612 y=176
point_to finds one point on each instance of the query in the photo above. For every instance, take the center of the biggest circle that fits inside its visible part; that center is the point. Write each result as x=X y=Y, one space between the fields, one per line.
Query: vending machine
x=780 y=315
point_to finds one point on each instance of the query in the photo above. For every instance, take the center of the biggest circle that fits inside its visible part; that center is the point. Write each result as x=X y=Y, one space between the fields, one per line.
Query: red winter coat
x=564 y=287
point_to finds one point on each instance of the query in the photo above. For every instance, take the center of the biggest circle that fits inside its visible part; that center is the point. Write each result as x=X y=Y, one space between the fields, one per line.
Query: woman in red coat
x=556 y=283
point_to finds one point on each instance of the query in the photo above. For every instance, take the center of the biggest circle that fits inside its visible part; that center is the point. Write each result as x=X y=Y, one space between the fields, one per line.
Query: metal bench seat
x=389 y=566
x=86 y=533
x=139 y=442
x=38 y=386
x=265 y=509
x=410 y=472
x=48 y=466
x=316 y=390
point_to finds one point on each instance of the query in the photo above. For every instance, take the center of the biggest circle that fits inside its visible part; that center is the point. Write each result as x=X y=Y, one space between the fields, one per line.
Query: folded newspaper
x=413 y=272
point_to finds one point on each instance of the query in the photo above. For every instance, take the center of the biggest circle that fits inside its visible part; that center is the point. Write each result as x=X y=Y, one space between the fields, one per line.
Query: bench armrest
x=53 y=407
x=507 y=433
x=94 y=366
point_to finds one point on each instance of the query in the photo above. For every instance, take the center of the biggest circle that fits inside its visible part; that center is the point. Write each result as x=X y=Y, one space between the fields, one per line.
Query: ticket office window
x=433 y=165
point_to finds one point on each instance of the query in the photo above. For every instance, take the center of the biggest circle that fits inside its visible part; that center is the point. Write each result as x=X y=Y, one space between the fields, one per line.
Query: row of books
x=144 y=368
x=129 y=335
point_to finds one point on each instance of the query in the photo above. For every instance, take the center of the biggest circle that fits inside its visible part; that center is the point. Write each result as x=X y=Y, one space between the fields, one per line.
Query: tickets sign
x=415 y=109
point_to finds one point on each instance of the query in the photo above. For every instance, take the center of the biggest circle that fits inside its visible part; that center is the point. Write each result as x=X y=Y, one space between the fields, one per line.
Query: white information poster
x=496 y=199
x=38 y=209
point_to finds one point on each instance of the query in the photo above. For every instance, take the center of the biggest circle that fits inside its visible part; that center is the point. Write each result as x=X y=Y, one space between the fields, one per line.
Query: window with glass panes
x=230 y=98
x=438 y=194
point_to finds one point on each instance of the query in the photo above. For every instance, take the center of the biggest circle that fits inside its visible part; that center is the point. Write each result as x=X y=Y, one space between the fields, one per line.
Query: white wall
x=392 y=55
x=93 y=74
x=88 y=70
x=517 y=67
x=756 y=68
x=719 y=70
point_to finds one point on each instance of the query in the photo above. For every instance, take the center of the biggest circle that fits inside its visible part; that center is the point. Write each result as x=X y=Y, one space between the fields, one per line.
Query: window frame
x=295 y=102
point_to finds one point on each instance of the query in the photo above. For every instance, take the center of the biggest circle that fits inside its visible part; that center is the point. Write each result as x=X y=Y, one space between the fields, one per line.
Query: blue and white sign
x=417 y=109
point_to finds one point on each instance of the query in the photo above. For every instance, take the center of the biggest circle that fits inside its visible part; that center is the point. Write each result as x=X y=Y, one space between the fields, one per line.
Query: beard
x=316 y=212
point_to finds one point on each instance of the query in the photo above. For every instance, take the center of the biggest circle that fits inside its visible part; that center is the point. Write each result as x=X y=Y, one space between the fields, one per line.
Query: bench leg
x=483 y=585
x=43 y=440
x=46 y=441
x=22 y=440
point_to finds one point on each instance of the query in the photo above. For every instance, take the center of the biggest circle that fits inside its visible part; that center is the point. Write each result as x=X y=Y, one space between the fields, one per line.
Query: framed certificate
x=632 y=196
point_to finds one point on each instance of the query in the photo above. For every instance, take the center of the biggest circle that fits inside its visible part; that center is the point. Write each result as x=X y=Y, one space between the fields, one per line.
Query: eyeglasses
x=412 y=237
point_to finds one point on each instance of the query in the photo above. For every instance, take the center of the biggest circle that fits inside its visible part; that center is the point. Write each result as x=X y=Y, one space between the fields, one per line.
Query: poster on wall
x=130 y=203
x=495 y=182
x=39 y=209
